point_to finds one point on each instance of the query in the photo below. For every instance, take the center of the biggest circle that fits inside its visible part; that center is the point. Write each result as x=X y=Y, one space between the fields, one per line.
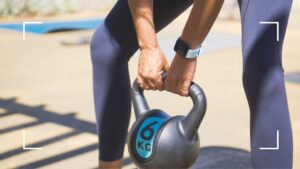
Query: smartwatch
x=184 y=50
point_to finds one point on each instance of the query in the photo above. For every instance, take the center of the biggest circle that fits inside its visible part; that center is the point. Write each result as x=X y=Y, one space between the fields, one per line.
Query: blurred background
x=53 y=7
x=50 y=7
x=46 y=98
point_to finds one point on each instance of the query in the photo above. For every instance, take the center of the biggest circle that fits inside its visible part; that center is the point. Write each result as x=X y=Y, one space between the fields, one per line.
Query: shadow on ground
x=210 y=157
x=215 y=157
x=293 y=77
x=11 y=107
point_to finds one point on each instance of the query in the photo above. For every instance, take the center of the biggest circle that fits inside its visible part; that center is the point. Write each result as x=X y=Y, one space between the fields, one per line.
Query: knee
x=255 y=79
x=105 y=51
x=260 y=62
x=260 y=83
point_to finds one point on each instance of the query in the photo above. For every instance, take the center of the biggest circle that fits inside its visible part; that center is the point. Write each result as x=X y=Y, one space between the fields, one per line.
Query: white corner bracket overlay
x=277 y=28
x=24 y=143
x=272 y=148
x=24 y=28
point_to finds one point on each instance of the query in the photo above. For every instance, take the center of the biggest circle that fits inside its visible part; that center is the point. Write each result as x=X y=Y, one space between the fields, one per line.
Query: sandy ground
x=46 y=91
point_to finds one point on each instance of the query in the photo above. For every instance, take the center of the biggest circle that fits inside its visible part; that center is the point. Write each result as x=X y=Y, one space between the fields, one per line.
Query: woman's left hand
x=180 y=75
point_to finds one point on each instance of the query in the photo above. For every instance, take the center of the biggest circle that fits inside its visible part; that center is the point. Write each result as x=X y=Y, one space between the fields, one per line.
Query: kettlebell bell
x=157 y=140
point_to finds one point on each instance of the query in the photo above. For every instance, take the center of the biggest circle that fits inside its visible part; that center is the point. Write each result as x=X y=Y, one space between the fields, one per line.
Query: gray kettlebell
x=157 y=140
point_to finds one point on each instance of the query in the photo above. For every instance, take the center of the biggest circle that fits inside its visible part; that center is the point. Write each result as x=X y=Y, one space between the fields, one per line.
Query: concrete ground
x=46 y=96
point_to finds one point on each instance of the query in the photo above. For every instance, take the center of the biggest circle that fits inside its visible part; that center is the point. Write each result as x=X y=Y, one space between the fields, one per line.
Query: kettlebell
x=157 y=140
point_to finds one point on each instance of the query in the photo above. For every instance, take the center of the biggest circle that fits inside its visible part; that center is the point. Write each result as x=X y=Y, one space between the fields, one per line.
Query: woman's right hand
x=152 y=62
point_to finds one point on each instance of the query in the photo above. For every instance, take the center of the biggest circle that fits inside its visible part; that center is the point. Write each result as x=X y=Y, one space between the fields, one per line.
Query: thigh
x=120 y=24
x=262 y=42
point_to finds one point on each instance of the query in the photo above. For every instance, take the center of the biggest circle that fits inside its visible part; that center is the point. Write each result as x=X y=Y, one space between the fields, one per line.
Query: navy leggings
x=115 y=41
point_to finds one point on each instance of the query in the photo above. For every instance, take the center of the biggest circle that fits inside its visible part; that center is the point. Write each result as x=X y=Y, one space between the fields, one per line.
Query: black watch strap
x=181 y=47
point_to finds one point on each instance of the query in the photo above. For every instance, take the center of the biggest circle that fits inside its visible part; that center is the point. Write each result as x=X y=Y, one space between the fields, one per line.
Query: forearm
x=200 y=21
x=142 y=15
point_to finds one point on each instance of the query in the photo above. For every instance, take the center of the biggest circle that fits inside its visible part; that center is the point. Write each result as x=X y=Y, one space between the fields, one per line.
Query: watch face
x=181 y=52
x=181 y=47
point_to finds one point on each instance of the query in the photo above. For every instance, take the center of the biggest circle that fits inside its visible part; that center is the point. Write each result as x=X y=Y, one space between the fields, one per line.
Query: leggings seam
x=244 y=14
x=277 y=43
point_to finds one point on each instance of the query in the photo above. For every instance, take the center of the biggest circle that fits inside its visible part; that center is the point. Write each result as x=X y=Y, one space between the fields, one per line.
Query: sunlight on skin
x=111 y=165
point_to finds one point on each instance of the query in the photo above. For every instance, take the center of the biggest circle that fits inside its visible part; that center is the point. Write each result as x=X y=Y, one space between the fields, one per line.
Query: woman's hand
x=152 y=63
x=200 y=21
x=180 y=76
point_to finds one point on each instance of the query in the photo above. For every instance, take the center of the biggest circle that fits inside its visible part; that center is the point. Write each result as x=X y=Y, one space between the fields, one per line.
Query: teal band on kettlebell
x=146 y=135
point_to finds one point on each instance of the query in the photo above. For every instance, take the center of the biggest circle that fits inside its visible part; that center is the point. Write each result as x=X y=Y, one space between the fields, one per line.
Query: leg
x=114 y=42
x=263 y=81
x=111 y=165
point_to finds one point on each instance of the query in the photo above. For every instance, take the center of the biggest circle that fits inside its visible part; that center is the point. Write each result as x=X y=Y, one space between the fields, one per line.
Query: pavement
x=46 y=105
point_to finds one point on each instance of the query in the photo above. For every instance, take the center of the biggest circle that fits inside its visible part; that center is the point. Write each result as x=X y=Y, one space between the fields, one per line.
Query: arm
x=200 y=21
x=142 y=15
x=152 y=60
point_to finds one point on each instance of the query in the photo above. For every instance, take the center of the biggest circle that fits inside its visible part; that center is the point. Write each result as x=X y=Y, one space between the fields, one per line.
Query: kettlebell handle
x=190 y=124
x=140 y=104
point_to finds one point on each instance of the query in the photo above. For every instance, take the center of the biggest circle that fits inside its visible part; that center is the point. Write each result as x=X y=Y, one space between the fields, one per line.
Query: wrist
x=148 y=42
x=148 y=46
x=150 y=52
x=179 y=57
x=146 y=36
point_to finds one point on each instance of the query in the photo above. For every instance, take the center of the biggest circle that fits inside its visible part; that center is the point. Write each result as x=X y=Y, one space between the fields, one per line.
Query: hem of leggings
x=110 y=159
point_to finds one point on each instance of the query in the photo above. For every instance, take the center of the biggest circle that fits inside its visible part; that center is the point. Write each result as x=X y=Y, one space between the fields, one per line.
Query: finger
x=177 y=87
x=143 y=83
x=170 y=83
x=159 y=84
x=145 y=86
x=140 y=82
x=151 y=85
x=167 y=84
x=148 y=80
x=183 y=88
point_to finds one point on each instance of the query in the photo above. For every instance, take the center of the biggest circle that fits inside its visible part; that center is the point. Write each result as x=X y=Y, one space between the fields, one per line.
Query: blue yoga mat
x=53 y=26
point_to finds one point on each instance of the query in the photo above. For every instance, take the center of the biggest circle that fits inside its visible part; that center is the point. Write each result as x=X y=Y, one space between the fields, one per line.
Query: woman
x=133 y=25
